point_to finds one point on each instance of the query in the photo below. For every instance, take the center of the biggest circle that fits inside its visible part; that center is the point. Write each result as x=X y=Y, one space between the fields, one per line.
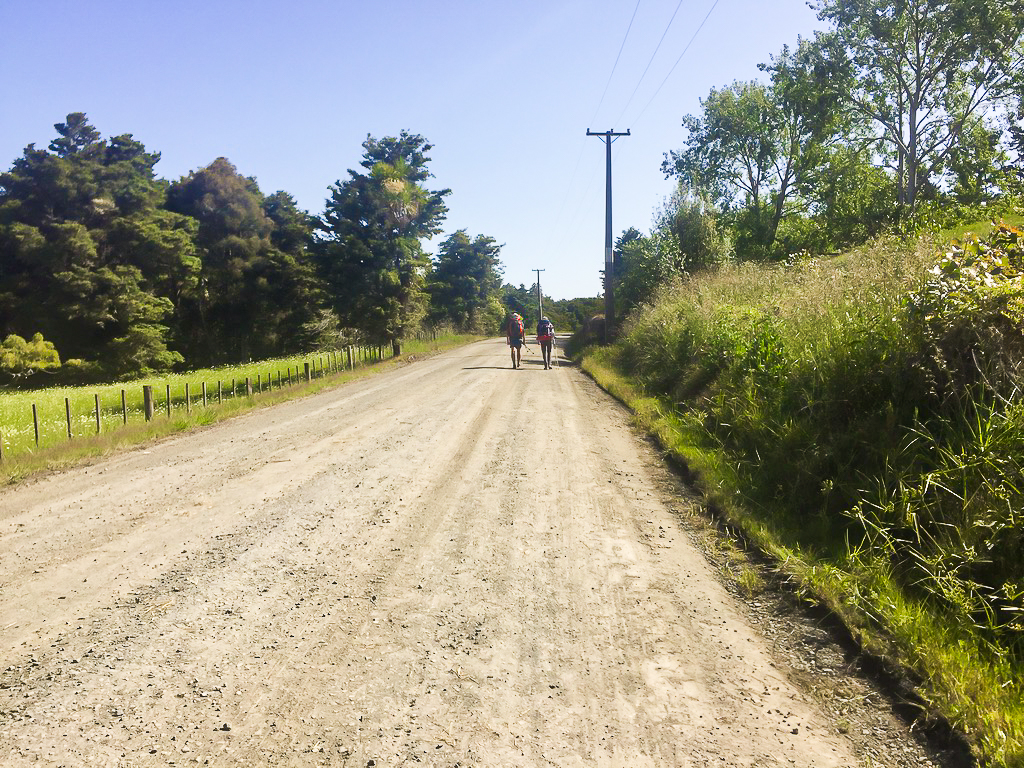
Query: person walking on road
x=546 y=338
x=515 y=337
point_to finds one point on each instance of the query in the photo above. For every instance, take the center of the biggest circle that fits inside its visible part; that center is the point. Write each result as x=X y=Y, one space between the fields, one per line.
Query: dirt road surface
x=451 y=564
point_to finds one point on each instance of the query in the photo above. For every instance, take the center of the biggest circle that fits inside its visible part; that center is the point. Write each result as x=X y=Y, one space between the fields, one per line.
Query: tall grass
x=860 y=417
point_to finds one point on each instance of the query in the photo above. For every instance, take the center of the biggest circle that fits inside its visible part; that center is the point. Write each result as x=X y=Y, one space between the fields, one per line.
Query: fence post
x=124 y=408
x=220 y=393
x=67 y=411
x=308 y=377
x=35 y=422
x=168 y=401
x=188 y=400
x=248 y=386
x=97 y=413
x=147 y=400
x=204 y=394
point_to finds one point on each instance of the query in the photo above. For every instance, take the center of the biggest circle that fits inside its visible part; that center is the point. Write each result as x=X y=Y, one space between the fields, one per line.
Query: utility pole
x=609 y=258
x=540 y=296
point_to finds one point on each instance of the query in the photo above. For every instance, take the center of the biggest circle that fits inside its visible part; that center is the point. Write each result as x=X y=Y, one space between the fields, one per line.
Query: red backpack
x=515 y=327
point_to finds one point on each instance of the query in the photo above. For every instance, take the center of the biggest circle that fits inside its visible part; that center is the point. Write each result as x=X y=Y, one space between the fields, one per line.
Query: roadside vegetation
x=860 y=419
x=123 y=422
x=825 y=324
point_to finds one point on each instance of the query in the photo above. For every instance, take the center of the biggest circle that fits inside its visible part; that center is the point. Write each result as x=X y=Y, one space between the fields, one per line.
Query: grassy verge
x=120 y=432
x=828 y=411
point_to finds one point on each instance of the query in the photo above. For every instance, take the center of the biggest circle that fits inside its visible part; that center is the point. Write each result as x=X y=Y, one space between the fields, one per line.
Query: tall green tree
x=257 y=287
x=756 y=146
x=87 y=253
x=926 y=72
x=522 y=300
x=687 y=237
x=465 y=283
x=369 y=251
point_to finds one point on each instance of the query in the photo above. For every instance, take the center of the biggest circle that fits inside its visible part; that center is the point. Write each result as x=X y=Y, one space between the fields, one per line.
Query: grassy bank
x=859 y=418
x=122 y=418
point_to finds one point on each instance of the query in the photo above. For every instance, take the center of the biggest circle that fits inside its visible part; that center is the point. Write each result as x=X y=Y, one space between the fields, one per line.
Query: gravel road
x=454 y=564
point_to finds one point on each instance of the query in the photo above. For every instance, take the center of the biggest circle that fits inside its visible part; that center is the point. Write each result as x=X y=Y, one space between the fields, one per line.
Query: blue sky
x=505 y=91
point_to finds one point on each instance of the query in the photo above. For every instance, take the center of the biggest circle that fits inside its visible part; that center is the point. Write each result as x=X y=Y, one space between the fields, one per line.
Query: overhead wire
x=656 y=49
x=658 y=90
x=579 y=158
x=616 y=64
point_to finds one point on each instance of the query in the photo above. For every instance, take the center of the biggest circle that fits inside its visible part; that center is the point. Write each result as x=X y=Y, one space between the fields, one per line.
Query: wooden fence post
x=188 y=400
x=97 y=413
x=308 y=377
x=168 y=401
x=147 y=401
x=124 y=407
x=220 y=393
x=35 y=422
x=67 y=411
x=204 y=394
x=248 y=386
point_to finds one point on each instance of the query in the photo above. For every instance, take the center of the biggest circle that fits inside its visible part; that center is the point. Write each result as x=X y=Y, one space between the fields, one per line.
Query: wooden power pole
x=540 y=296
x=609 y=257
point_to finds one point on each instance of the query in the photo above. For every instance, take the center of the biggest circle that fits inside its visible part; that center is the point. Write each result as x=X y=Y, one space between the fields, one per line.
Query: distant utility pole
x=609 y=259
x=540 y=297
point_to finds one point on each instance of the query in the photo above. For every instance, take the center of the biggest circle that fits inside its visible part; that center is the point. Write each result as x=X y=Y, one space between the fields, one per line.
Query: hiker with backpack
x=546 y=338
x=515 y=337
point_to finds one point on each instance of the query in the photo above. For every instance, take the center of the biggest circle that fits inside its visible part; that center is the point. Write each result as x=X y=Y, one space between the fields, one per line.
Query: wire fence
x=39 y=418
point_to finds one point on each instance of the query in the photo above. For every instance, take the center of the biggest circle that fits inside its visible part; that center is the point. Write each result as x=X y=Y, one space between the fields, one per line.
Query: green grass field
x=122 y=420
x=122 y=403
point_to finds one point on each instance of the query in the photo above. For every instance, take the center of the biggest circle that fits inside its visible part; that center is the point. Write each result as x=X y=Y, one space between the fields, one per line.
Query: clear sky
x=505 y=91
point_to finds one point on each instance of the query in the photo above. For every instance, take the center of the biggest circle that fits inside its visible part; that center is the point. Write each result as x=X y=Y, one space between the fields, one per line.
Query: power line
x=572 y=176
x=657 y=48
x=676 y=64
x=616 y=64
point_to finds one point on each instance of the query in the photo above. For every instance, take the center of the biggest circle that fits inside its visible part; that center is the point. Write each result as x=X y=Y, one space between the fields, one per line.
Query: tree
x=76 y=135
x=521 y=299
x=975 y=162
x=465 y=283
x=756 y=146
x=257 y=287
x=81 y=229
x=687 y=237
x=369 y=250
x=925 y=72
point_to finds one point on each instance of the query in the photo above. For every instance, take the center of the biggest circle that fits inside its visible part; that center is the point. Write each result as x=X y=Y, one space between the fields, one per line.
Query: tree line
x=109 y=272
x=902 y=113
